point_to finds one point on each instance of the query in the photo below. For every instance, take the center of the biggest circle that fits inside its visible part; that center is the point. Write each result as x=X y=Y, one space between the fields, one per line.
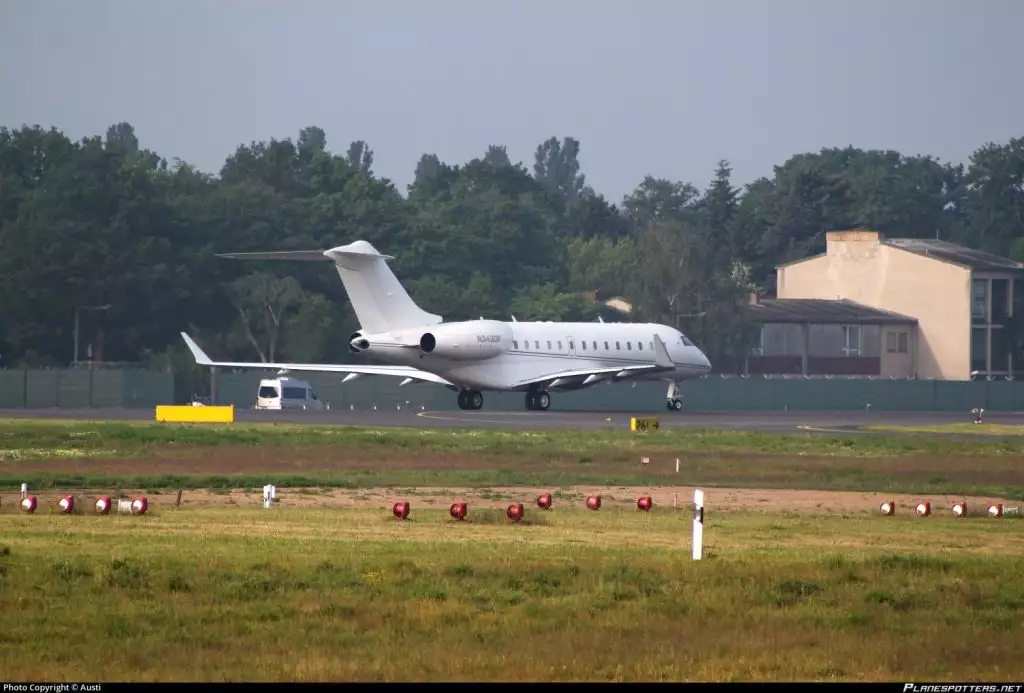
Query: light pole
x=77 y=310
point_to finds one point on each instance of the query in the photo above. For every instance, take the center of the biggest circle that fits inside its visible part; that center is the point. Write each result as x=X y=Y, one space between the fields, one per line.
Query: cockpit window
x=685 y=340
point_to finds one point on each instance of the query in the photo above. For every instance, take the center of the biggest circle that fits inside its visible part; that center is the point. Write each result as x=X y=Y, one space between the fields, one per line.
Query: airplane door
x=570 y=344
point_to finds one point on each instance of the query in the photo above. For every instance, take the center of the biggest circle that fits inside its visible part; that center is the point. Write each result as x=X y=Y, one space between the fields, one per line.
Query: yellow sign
x=644 y=424
x=184 y=414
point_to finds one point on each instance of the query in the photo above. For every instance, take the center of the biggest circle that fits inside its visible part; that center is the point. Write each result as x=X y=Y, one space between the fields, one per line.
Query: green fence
x=84 y=389
x=104 y=389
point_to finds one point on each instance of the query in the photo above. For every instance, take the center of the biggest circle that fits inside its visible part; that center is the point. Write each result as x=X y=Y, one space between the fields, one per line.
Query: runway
x=778 y=422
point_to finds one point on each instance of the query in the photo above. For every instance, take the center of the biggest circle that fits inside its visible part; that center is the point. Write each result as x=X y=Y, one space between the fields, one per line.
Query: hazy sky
x=659 y=87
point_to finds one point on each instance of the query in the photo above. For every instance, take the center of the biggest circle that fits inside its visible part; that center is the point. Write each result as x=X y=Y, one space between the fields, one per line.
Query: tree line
x=129 y=238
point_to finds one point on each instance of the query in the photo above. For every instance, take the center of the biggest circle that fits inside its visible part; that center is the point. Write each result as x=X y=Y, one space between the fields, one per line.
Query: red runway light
x=515 y=512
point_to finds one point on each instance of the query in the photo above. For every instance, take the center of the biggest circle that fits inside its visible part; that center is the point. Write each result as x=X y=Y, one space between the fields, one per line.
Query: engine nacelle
x=475 y=340
x=357 y=343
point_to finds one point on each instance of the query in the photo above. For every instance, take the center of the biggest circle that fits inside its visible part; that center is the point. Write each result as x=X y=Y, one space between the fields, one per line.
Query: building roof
x=954 y=253
x=816 y=310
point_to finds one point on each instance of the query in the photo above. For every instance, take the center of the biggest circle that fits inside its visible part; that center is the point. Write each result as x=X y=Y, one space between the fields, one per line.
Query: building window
x=851 y=340
x=979 y=349
x=1000 y=340
x=896 y=342
x=1000 y=295
x=979 y=300
x=758 y=347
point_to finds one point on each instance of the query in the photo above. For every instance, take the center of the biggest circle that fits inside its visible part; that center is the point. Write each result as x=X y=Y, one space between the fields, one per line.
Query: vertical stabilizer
x=380 y=301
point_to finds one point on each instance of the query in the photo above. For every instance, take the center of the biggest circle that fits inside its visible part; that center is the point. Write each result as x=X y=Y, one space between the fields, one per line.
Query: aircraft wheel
x=475 y=400
x=542 y=401
x=674 y=405
x=463 y=400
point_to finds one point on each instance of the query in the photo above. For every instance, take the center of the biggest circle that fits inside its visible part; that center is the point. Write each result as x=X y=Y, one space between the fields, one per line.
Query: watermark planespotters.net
x=962 y=688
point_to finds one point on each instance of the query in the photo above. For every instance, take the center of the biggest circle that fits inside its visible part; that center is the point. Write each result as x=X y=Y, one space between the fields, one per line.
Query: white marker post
x=24 y=491
x=269 y=495
x=698 y=524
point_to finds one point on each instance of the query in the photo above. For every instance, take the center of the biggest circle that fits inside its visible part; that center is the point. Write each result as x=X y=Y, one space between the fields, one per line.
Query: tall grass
x=356 y=595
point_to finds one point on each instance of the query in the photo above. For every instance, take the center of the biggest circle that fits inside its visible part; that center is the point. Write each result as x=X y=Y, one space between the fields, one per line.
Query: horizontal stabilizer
x=351 y=370
x=299 y=255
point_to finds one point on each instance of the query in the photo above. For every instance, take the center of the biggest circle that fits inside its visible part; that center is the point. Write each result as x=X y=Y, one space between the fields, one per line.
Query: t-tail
x=379 y=300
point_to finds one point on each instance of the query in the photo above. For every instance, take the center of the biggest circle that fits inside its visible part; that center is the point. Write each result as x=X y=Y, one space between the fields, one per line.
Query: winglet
x=200 y=356
x=661 y=357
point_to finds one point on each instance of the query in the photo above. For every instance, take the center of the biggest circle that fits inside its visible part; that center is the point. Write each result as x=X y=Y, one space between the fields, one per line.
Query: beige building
x=927 y=308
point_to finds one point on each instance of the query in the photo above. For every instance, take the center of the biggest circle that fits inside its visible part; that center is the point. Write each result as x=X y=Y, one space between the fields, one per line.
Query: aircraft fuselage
x=499 y=356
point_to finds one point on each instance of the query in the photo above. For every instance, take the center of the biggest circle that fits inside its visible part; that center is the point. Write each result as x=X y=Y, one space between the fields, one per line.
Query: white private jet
x=476 y=356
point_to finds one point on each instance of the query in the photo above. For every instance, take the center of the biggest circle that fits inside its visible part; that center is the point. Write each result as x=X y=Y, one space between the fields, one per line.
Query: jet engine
x=475 y=340
x=357 y=343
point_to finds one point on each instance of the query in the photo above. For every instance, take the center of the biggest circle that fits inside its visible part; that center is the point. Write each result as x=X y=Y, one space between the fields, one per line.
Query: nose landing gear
x=673 y=400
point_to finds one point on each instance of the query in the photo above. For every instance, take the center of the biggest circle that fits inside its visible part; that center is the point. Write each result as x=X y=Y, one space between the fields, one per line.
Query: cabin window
x=571 y=345
x=606 y=346
x=640 y=346
x=526 y=345
x=618 y=347
x=595 y=345
x=549 y=345
x=651 y=344
x=515 y=344
x=629 y=346
x=584 y=345
x=559 y=345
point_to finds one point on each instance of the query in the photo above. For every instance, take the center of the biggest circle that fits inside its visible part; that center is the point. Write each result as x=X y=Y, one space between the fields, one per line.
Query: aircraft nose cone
x=705 y=361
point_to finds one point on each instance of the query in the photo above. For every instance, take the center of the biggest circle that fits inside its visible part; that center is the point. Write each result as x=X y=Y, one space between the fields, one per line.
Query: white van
x=287 y=393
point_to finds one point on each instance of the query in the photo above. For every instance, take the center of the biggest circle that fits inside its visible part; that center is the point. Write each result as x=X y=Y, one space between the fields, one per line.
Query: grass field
x=802 y=579
x=982 y=429
x=281 y=594
x=103 y=455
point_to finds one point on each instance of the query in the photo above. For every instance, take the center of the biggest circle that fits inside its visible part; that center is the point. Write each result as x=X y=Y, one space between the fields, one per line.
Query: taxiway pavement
x=779 y=422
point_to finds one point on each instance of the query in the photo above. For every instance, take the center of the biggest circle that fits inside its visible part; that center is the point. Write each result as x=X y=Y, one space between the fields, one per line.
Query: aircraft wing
x=662 y=362
x=406 y=372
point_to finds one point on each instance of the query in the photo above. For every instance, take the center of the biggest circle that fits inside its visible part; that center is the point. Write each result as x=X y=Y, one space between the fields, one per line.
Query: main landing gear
x=538 y=400
x=470 y=399
x=673 y=400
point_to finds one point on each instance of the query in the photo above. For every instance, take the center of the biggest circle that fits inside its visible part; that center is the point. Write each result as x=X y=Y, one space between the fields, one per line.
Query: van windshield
x=268 y=392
